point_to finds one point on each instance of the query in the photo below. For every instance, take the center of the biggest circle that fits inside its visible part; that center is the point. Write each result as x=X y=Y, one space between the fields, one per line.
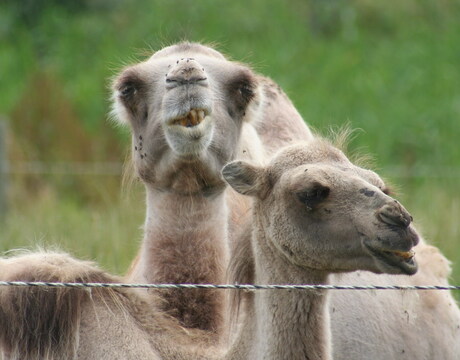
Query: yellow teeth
x=404 y=254
x=193 y=118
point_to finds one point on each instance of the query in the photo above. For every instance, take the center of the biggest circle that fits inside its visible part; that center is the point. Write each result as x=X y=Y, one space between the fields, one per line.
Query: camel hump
x=42 y=322
x=430 y=258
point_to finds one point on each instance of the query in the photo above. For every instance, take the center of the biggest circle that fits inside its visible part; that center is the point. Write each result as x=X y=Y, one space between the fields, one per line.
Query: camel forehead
x=213 y=62
x=318 y=158
x=315 y=151
x=187 y=49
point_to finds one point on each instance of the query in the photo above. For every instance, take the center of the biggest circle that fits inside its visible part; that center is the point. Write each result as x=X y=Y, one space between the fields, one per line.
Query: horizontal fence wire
x=225 y=286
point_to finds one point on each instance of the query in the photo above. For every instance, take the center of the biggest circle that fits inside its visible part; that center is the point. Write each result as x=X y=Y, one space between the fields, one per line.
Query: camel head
x=322 y=212
x=185 y=106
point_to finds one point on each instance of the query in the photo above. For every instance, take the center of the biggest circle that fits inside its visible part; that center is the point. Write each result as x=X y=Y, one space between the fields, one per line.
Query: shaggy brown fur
x=44 y=323
x=97 y=324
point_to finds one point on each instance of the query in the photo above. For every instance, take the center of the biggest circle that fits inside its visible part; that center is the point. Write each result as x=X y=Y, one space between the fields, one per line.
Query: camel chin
x=393 y=261
x=191 y=134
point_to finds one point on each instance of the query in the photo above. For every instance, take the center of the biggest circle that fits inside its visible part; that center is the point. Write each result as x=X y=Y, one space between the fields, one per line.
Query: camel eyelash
x=386 y=190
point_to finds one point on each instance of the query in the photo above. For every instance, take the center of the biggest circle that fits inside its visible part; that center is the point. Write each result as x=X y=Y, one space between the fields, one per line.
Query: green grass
x=392 y=71
x=109 y=234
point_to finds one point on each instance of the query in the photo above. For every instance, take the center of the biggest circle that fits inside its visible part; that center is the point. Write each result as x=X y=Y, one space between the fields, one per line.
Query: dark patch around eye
x=367 y=192
x=129 y=84
x=246 y=91
x=131 y=89
x=127 y=89
x=241 y=90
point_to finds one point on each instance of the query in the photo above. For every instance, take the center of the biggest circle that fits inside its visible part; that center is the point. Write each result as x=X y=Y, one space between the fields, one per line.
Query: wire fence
x=248 y=287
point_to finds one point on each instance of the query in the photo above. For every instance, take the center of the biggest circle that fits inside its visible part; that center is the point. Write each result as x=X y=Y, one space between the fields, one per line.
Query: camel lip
x=191 y=119
x=402 y=260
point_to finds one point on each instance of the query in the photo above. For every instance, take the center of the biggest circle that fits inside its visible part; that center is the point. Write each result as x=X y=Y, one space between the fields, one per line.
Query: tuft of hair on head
x=342 y=136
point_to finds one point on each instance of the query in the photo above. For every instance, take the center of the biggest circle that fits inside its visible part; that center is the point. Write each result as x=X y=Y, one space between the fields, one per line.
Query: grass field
x=392 y=72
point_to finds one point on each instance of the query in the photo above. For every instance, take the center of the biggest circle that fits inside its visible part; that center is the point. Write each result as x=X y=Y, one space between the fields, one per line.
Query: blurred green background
x=391 y=69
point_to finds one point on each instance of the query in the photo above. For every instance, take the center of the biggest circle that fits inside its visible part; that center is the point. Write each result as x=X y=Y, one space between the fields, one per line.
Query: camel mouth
x=193 y=118
x=402 y=260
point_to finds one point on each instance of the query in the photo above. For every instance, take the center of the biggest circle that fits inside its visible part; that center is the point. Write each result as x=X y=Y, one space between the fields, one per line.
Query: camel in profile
x=354 y=204
x=300 y=234
x=315 y=213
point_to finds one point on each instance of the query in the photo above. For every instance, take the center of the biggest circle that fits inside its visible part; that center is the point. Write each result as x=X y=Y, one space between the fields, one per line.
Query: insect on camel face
x=185 y=106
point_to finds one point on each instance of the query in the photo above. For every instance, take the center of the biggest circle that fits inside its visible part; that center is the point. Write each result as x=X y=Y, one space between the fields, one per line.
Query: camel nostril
x=393 y=214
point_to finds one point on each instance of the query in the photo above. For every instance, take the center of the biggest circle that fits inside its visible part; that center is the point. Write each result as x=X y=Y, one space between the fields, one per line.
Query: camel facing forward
x=190 y=111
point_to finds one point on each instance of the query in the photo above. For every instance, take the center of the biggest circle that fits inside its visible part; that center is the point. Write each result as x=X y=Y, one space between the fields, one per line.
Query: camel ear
x=245 y=178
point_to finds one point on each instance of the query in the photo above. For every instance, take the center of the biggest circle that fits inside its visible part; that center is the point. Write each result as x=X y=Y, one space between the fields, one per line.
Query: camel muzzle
x=186 y=71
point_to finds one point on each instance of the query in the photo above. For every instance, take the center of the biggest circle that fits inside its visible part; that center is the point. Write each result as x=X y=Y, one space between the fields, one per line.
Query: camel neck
x=185 y=242
x=290 y=324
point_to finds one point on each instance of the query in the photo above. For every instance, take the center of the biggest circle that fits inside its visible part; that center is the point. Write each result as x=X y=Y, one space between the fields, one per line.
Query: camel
x=419 y=325
x=96 y=324
x=408 y=324
x=299 y=234
x=190 y=111
x=238 y=114
x=315 y=213
x=270 y=122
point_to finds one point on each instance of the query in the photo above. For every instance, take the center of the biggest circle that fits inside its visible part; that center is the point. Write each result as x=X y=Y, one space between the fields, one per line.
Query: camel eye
x=127 y=90
x=246 y=91
x=313 y=196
